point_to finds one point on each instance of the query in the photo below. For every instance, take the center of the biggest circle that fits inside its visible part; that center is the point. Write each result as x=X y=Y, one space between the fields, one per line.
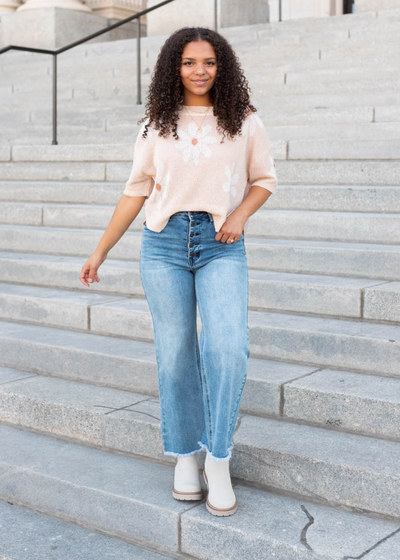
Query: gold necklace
x=198 y=127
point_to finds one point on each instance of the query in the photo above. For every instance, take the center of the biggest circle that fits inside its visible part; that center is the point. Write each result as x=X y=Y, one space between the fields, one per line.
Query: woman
x=203 y=164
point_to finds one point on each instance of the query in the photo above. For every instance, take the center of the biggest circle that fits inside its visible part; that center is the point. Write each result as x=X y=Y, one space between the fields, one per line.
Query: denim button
x=191 y=244
x=192 y=223
x=191 y=235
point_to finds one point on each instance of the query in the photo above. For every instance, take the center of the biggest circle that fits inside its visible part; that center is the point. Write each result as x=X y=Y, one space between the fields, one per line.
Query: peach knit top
x=197 y=172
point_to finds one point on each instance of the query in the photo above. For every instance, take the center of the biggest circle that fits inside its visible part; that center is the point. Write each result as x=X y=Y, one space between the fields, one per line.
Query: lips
x=200 y=82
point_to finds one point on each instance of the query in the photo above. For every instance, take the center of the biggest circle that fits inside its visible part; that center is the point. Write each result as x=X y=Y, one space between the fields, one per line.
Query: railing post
x=138 y=68
x=54 y=99
x=216 y=15
x=280 y=10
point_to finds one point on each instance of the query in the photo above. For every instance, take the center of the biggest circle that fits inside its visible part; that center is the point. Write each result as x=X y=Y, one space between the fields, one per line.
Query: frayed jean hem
x=182 y=454
x=211 y=456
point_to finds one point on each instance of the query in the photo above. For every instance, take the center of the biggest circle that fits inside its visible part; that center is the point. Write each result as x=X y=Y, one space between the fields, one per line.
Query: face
x=198 y=72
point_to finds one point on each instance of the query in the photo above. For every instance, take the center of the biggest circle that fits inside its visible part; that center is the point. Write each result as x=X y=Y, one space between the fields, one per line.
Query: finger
x=227 y=237
x=83 y=275
x=92 y=275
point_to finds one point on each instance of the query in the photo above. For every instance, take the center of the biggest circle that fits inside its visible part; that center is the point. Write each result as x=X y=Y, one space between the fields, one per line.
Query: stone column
x=66 y=4
x=118 y=9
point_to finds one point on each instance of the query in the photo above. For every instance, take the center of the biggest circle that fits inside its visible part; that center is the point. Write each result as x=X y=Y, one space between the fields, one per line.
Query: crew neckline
x=199 y=108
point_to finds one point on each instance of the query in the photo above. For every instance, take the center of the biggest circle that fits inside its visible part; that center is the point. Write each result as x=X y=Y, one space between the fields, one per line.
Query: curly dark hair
x=229 y=94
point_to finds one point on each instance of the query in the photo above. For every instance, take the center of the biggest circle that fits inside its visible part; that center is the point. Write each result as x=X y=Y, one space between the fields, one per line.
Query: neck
x=196 y=100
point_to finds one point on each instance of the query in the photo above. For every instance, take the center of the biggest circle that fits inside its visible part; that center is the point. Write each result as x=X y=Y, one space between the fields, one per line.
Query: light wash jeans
x=200 y=387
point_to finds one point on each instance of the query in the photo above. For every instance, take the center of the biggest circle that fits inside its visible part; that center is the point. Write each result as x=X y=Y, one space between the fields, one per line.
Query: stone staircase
x=316 y=462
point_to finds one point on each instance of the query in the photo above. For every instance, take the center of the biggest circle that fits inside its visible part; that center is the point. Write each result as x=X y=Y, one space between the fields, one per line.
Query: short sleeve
x=141 y=182
x=260 y=162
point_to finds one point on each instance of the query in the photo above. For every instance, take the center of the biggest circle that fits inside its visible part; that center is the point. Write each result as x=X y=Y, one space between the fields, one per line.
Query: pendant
x=199 y=130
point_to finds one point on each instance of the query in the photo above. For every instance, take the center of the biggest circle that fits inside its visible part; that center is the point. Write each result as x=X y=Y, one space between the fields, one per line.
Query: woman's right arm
x=124 y=214
x=138 y=187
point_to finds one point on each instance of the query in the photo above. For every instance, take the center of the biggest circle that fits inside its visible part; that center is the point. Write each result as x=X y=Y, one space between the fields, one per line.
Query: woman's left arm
x=261 y=177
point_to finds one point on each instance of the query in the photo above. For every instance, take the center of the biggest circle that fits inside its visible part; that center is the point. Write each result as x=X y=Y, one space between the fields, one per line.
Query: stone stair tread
x=322 y=325
x=82 y=295
x=262 y=211
x=249 y=239
x=59 y=338
x=132 y=498
x=99 y=401
x=27 y=534
x=127 y=496
x=49 y=301
x=319 y=395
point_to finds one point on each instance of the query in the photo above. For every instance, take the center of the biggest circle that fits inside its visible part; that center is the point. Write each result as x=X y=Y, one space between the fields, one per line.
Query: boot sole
x=220 y=512
x=187 y=495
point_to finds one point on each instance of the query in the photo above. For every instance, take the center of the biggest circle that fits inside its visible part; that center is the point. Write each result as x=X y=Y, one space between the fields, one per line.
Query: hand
x=89 y=269
x=232 y=228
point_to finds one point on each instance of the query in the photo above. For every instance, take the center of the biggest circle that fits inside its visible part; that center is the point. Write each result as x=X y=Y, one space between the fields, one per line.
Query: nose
x=200 y=70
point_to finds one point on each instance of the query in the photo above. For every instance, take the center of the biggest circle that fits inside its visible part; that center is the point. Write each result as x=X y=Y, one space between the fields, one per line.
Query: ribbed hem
x=211 y=456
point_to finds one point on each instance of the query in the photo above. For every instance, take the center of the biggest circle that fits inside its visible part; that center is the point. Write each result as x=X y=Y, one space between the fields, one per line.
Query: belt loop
x=210 y=216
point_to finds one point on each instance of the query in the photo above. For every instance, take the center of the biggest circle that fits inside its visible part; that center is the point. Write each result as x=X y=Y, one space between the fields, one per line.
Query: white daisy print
x=195 y=143
x=251 y=123
x=232 y=180
x=161 y=184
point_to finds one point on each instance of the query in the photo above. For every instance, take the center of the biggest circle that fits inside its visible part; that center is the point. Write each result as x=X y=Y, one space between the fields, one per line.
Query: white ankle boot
x=221 y=499
x=186 y=479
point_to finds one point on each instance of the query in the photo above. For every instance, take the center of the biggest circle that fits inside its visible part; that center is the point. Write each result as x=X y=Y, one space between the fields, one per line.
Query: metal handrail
x=54 y=53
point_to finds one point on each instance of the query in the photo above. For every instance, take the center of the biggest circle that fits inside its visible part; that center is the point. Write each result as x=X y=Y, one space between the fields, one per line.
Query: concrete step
x=303 y=293
x=355 y=260
x=121 y=73
x=346 y=469
x=351 y=344
x=118 y=495
x=362 y=134
x=130 y=422
x=284 y=103
x=261 y=85
x=359 y=136
x=359 y=227
x=345 y=149
x=350 y=227
x=287 y=197
x=376 y=137
x=313 y=116
x=28 y=534
x=317 y=101
x=335 y=343
x=333 y=172
x=142 y=508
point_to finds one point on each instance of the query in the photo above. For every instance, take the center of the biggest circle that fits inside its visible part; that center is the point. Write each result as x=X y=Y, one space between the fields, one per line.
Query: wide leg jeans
x=185 y=270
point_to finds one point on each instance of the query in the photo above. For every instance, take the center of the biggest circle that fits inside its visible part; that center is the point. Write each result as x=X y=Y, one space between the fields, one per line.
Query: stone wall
x=182 y=13
x=372 y=5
